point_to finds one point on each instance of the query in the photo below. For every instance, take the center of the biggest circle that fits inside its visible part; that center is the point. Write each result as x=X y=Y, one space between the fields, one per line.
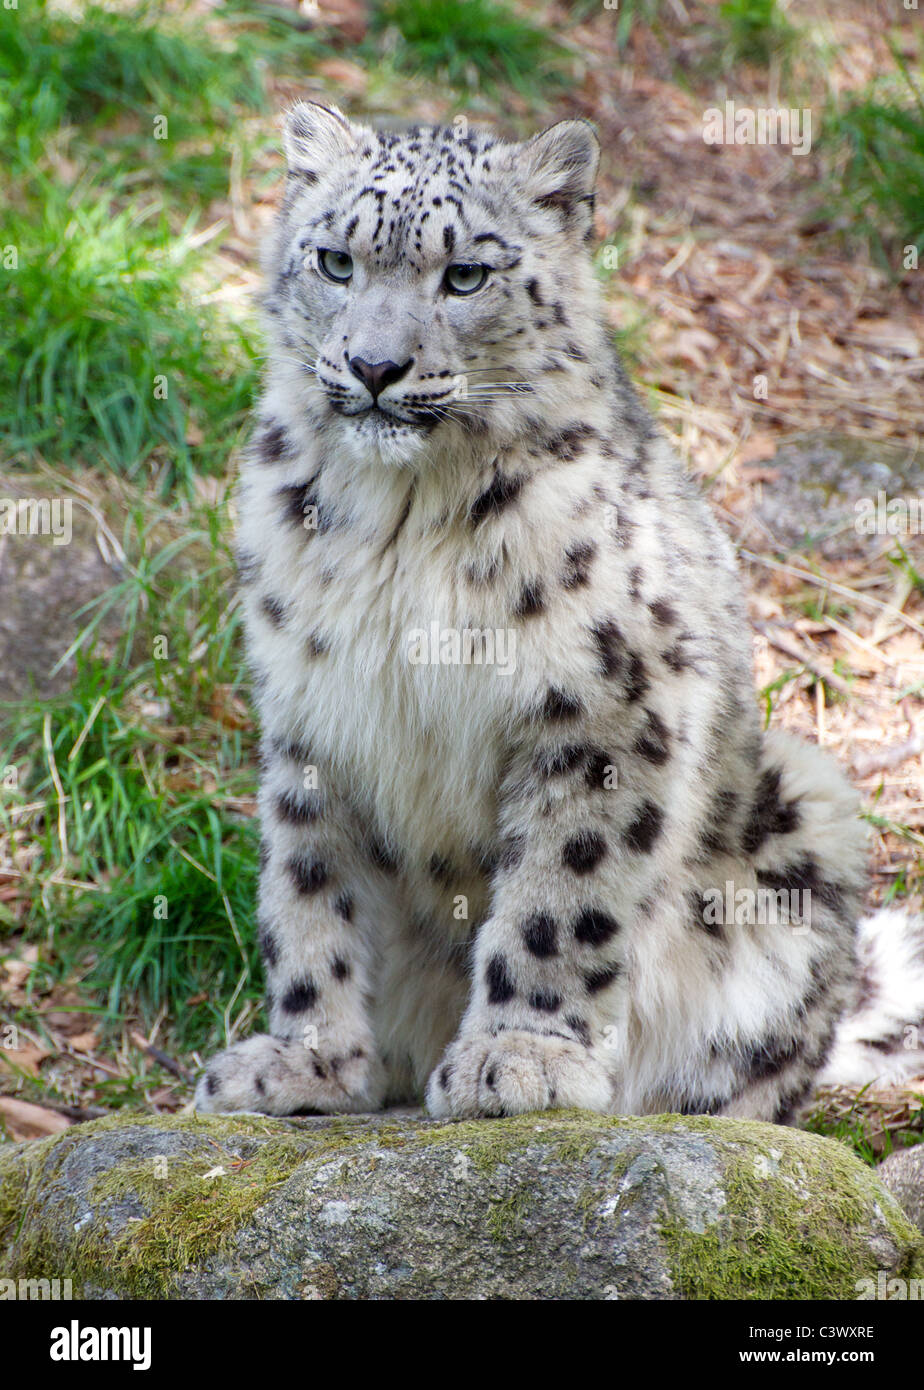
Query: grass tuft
x=142 y=779
x=471 y=43
x=120 y=127
x=882 y=183
x=755 y=31
x=95 y=358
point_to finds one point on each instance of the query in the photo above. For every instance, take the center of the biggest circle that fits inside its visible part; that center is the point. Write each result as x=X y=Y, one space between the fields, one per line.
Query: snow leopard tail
x=881 y=1039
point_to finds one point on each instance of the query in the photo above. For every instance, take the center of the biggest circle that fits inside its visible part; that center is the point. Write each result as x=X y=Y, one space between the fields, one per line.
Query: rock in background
x=903 y=1175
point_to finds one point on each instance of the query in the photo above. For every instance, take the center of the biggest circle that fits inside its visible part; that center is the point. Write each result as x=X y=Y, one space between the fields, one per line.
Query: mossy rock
x=558 y=1205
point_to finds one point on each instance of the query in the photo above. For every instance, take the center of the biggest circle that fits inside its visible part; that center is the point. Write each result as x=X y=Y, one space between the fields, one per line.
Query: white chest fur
x=412 y=688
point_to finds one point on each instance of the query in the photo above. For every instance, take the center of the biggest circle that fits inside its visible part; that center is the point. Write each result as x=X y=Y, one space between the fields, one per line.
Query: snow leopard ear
x=314 y=136
x=560 y=166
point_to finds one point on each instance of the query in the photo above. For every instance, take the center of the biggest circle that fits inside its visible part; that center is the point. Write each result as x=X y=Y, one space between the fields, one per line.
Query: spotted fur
x=499 y=888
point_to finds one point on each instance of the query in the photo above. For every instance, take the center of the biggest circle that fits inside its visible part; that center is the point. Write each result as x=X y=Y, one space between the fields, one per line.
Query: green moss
x=795 y=1239
x=15 y=1172
x=506 y=1215
x=577 y=1143
x=24 y=1169
x=789 y=1235
x=490 y=1143
x=588 y=1200
x=187 y=1217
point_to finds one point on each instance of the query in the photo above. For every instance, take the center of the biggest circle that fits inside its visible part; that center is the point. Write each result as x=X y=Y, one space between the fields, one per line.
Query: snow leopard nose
x=375 y=376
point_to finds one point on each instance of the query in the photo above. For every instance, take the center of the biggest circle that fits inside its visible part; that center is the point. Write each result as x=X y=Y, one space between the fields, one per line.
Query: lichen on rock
x=556 y=1205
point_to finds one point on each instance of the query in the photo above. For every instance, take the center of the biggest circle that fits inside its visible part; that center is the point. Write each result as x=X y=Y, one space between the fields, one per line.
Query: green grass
x=56 y=68
x=881 y=147
x=851 y=1130
x=97 y=357
x=754 y=31
x=470 y=43
x=623 y=15
x=766 y=694
x=874 y=142
x=150 y=775
x=103 y=275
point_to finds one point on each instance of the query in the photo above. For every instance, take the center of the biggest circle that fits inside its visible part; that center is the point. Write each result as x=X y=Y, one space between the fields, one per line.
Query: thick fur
x=498 y=883
x=882 y=1039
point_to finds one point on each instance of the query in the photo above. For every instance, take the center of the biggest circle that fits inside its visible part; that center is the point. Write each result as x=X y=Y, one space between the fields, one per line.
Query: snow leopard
x=525 y=841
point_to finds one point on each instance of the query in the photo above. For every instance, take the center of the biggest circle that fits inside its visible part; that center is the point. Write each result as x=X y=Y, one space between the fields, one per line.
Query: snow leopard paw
x=273 y=1076
x=483 y=1074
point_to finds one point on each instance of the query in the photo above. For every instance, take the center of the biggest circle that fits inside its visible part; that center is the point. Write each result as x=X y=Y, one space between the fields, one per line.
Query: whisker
x=496 y=395
x=502 y=386
x=304 y=342
x=296 y=362
x=476 y=371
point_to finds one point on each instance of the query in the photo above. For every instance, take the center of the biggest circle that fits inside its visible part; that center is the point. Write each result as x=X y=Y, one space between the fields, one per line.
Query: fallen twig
x=884 y=759
x=798 y=653
x=823 y=583
x=161 y=1058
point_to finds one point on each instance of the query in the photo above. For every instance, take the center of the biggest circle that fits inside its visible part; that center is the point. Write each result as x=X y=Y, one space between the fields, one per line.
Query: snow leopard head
x=429 y=289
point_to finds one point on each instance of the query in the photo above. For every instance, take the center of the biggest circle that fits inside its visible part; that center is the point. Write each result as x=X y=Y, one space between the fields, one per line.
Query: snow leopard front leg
x=578 y=857
x=321 y=893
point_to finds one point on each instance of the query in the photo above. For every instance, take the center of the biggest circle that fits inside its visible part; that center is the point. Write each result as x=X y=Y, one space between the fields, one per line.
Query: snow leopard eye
x=336 y=265
x=465 y=279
